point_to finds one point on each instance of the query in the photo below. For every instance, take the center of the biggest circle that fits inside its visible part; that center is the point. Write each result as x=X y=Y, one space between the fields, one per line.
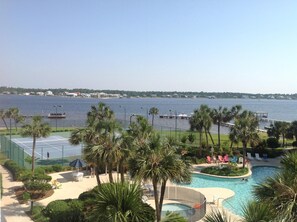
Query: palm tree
x=218 y=216
x=14 y=113
x=3 y=116
x=255 y=211
x=223 y=115
x=153 y=111
x=277 y=129
x=201 y=121
x=280 y=191
x=245 y=130
x=157 y=161
x=100 y=136
x=293 y=129
x=119 y=202
x=36 y=129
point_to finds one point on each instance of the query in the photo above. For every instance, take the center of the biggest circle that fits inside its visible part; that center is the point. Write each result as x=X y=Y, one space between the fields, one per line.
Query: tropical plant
x=172 y=216
x=157 y=161
x=279 y=129
x=101 y=138
x=280 y=191
x=3 y=116
x=36 y=129
x=223 y=115
x=293 y=129
x=201 y=121
x=255 y=211
x=218 y=216
x=153 y=111
x=14 y=113
x=119 y=202
x=245 y=130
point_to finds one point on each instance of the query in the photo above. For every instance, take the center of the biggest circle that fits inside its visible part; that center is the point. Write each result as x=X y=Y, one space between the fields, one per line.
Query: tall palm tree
x=153 y=111
x=100 y=137
x=293 y=129
x=3 y=116
x=223 y=115
x=14 y=113
x=158 y=162
x=245 y=130
x=119 y=202
x=36 y=129
x=201 y=121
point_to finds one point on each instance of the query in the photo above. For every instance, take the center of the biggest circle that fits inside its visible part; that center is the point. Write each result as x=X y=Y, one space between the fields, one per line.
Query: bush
x=294 y=144
x=57 y=168
x=64 y=210
x=14 y=169
x=26 y=196
x=37 y=214
x=272 y=142
x=227 y=170
x=87 y=195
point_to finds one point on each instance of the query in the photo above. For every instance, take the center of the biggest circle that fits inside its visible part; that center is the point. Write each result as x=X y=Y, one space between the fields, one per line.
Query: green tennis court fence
x=18 y=155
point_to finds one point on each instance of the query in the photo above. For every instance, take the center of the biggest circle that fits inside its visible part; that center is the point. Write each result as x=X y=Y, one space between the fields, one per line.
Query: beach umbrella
x=78 y=163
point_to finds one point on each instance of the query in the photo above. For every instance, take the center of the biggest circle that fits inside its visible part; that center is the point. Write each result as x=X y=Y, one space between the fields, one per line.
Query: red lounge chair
x=226 y=158
x=221 y=159
x=208 y=159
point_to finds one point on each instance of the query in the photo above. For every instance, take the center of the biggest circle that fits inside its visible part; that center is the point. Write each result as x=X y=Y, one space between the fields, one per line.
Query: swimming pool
x=242 y=189
x=182 y=209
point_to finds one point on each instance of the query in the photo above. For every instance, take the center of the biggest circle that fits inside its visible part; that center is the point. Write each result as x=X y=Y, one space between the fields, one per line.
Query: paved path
x=11 y=210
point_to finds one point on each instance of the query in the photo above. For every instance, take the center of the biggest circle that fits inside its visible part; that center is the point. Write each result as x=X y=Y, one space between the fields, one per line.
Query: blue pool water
x=241 y=188
x=182 y=209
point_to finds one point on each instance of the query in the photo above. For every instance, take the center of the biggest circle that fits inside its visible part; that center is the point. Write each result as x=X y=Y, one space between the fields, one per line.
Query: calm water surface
x=76 y=108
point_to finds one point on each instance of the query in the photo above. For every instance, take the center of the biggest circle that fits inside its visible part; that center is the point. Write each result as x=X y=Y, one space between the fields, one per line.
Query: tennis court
x=54 y=146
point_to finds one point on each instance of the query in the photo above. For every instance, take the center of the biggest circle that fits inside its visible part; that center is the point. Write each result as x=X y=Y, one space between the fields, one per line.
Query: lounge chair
x=240 y=160
x=249 y=156
x=265 y=157
x=208 y=159
x=234 y=159
x=221 y=159
x=258 y=156
x=226 y=158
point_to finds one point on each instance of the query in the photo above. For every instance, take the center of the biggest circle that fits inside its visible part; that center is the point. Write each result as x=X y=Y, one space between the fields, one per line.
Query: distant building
x=48 y=93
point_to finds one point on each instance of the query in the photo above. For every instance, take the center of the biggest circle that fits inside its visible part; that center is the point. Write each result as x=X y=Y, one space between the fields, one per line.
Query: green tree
x=293 y=129
x=223 y=115
x=245 y=130
x=153 y=111
x=280 y=191
x=119 y=202
x=14 y=113
x=201 y=121
x=279 y=129
x=157 y=161
x=101 y=138
x=3 y=116
x=36 y=129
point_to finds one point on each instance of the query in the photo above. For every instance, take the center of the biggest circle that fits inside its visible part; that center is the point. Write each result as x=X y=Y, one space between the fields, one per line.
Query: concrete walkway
x=11 y=210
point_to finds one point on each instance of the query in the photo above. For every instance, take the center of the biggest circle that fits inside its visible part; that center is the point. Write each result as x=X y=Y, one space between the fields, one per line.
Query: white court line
x=50 y=140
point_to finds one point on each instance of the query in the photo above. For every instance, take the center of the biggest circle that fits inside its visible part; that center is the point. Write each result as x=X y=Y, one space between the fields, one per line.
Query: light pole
x=56 y=114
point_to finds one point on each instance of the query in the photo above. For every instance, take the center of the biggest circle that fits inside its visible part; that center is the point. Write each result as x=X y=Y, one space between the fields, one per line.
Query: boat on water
x=56 y=115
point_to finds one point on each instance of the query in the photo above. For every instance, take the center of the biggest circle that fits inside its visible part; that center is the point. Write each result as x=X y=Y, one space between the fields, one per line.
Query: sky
x=150 y=45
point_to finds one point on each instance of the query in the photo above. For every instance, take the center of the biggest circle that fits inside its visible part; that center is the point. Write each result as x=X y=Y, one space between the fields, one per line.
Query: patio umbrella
x=78 y=163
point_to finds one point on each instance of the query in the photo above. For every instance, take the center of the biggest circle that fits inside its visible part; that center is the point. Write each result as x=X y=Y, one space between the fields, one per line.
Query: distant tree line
x=174 y=94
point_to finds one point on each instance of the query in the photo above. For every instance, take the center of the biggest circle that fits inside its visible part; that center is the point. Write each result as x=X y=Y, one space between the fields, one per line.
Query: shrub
x=15 y=170
x=294 y=144
x=64 y=210
x=191 y=138
x=37 y=214
x=184 y=139
x=272 y=142
x=26 y=196
x=57 y=168
x=87 y=195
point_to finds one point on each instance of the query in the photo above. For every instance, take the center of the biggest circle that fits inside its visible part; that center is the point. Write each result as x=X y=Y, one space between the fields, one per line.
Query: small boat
x=56 y=115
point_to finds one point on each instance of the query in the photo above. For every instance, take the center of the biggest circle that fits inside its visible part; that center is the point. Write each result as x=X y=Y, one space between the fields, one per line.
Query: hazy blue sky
x=159 y=45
